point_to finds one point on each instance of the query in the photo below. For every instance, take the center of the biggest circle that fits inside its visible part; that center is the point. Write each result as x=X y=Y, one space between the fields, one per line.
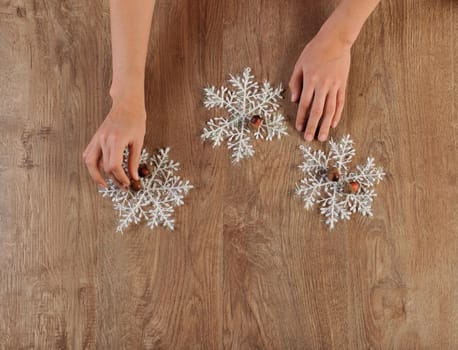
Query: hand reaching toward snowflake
x=154 y=196
x=320 y=75
x=124 y=126
x=322 y=71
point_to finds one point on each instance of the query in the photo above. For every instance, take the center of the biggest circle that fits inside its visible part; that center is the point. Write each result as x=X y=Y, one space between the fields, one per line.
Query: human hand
x=318 y=82
x=125 y=125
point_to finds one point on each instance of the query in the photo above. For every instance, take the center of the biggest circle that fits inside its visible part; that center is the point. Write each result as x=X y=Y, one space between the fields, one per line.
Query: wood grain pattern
x=247 y=267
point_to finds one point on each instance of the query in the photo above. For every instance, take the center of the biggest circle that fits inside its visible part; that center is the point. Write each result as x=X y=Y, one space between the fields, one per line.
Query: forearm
x=346 y=21
x=130 y=29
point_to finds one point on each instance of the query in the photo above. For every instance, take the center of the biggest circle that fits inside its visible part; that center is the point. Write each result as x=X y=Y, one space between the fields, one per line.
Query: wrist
x=128 y=102
x=130 y=92
x=329 y=43
x=128 y=109
x=342 y=27
x=128 y=81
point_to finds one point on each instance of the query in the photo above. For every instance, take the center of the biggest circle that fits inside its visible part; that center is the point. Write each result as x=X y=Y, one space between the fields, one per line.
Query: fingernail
x=300 y=127
x=308 y=137
x=293 y=97
x=333 y=125
x=323 y=137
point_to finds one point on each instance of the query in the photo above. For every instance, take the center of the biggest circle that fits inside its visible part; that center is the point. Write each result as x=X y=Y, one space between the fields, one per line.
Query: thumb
x=134 y=159
x=295 y=84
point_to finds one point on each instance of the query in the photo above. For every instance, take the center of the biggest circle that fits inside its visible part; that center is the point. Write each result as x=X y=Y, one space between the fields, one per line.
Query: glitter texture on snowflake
x=330 y=183
x=161 y=192
x=252 y=109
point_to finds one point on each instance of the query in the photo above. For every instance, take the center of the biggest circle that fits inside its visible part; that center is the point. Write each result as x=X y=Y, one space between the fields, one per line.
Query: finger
x=88 y=149
x=340 y=101
x=295 y=84
x=100 y=166
x=134 y=159
x=107 y=166
x=105 y=157
x=85 y=152
x=116 y=160
x=329 y=112
x=315 y=113
x=92 y=160
x=304 y=103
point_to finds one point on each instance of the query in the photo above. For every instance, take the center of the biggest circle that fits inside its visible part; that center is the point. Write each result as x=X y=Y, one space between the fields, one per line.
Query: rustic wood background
x=247 y=267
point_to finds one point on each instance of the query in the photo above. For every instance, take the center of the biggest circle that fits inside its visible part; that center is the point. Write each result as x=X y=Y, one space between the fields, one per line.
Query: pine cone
x=144 y=170
x=351 y=187
x=333 y=174
x=136 y=185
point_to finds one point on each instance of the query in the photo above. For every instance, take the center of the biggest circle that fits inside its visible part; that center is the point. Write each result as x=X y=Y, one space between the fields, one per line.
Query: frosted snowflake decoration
x=329 y=182
x=161 y=191
x=252 y=110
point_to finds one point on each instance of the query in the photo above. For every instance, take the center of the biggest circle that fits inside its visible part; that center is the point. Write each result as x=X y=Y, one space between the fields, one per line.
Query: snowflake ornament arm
x=314 y=161
x=334 y=206
x=342 y=152
x=309 y=189
x=367 y=175
x=362 y=202
x=161 y=191
x=252 y=110
x=272 y=127
x=329 y=183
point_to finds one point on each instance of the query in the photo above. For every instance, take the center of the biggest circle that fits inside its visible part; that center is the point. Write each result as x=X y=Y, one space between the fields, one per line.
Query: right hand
x=318 y=83
x=125 y=125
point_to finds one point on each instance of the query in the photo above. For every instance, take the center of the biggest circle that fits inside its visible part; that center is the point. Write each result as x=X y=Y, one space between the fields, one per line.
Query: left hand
x=319 y=79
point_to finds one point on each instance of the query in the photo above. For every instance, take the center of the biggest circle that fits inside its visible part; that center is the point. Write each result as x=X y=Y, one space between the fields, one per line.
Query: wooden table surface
x=247 y=267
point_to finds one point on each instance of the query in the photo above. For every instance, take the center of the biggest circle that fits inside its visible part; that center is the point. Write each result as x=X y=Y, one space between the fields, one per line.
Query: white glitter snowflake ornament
x=161 y=191
x=329 y=182
x=252 y=110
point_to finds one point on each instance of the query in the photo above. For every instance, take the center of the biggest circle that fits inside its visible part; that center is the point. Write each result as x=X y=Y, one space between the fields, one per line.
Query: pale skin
x=317 y=84
x=125 y=124
x=320 y=75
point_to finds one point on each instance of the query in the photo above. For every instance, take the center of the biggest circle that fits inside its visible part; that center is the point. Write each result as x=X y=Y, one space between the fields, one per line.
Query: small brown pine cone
x=135 y=185
x=351 y=187
x=333 y=174
x=256 y=121
x=144 y=170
